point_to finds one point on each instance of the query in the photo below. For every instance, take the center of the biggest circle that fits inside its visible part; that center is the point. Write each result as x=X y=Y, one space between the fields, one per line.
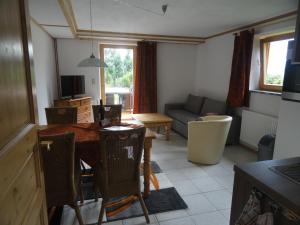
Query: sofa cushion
x=182 y=115
x=213 y=106
x=193 y=104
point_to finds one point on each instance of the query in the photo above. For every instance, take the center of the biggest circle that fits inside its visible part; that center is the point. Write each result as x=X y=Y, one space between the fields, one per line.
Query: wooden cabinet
x=297 y=38
x=83 y=105
x=22 y=191
x=275 y=188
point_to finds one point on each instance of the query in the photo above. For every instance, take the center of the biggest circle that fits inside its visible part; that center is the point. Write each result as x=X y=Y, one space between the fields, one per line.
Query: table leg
x=168 y=131
x=147 y=166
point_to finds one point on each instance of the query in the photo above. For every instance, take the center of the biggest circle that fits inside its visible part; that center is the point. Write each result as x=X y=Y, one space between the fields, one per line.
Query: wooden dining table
x=87 y=145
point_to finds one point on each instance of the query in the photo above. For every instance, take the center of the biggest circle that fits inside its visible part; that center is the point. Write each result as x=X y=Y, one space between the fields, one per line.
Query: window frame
x=102 y=72
x=264 y=45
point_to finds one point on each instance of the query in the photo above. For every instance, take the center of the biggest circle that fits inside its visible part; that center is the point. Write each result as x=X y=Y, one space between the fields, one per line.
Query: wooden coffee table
x=155 y=120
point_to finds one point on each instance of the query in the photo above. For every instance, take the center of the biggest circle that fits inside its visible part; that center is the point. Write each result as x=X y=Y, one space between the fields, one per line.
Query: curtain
x=238 y=94
x=145 y=84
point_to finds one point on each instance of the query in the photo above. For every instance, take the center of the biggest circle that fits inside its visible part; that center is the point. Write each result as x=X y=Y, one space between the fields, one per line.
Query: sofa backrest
x=194 y=104
x=213 y=106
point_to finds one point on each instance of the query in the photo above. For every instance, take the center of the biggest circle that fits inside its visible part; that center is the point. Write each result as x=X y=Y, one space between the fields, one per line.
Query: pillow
x=212 y=106
x=193 y=104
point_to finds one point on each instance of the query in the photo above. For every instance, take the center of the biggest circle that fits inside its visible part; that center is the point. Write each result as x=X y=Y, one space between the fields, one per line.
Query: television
x=72 y=85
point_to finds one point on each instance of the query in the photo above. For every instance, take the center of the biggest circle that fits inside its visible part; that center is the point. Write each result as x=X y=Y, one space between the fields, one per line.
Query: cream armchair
x=207 y=138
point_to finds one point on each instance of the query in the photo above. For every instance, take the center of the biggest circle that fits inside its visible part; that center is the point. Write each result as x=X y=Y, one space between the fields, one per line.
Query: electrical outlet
x=93 y=81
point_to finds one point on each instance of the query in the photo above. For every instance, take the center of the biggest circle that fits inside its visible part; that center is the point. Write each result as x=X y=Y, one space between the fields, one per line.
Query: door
x=22 y=195
x=117 y=80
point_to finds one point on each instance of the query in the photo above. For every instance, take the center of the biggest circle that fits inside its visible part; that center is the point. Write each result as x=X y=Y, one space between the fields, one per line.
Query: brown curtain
x=145 y=84
x=238 y=94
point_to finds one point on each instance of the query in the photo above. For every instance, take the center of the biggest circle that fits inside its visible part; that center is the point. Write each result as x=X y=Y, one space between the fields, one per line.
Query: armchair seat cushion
x=182 y=115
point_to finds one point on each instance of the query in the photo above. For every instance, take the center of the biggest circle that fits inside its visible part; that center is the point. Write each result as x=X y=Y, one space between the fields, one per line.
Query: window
x=273 y=59
x=117 y=80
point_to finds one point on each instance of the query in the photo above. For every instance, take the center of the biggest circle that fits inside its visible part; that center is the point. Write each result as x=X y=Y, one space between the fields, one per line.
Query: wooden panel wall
x=15 y=111
x=22 y=192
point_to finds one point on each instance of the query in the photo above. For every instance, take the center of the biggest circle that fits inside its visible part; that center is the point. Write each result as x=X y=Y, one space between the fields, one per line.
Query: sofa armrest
x=171 y=106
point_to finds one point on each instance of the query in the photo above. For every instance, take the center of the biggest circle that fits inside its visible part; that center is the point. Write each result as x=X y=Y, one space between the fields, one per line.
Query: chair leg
x=101 y=212
x=145 y=210
x=95 y=191
x=80 y=192
x=78 y=214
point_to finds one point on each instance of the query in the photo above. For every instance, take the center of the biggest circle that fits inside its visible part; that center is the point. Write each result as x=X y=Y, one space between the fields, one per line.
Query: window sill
x=266 y=92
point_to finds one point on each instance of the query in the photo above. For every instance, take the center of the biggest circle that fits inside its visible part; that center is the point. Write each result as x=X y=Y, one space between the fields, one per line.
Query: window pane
x=276 y=62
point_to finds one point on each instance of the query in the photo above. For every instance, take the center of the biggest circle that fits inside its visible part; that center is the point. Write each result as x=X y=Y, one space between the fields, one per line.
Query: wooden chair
x=61 y=171
x=111 y=112
x=118 y=172
x=61 y=115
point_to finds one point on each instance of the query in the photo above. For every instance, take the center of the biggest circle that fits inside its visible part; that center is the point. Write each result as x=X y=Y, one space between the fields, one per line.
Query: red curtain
x=145 y=84
x=238 y=94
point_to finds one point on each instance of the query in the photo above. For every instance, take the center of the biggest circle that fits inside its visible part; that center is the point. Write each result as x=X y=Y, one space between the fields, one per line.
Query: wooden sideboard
x=84 y=107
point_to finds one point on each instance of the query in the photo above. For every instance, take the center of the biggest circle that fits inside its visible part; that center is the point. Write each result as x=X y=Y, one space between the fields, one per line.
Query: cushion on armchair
x=193 y=104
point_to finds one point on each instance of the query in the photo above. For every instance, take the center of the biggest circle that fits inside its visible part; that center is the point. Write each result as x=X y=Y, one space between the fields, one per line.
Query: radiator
x=254 y=126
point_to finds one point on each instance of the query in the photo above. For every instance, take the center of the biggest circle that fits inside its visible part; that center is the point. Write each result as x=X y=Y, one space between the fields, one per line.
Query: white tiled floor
x=207 y=190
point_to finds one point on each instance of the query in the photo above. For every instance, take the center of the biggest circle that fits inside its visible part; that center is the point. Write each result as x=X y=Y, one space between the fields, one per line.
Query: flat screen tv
x=72 y=86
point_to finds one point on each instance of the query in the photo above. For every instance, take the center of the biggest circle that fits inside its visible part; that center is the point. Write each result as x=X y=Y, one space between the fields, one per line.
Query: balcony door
x=117 y=80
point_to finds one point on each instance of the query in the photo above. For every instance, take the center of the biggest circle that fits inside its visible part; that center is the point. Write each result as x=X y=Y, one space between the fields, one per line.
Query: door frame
x=102 y=72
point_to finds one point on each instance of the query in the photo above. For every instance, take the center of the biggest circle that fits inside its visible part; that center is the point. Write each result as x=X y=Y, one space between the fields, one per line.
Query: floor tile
x=181 y=221
x=176 y=175
x=194 y=172
x=198 y=204
x=206 y=184
x=119 y=222
x=226 y=213
x=226 y=181
x=212 y=218
x=140 y=220
x=186 y=187
x=171 y=215
x=220 y=199
x=217 y=170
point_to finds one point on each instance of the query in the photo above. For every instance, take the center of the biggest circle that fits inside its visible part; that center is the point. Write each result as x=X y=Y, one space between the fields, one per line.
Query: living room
x=197 y=78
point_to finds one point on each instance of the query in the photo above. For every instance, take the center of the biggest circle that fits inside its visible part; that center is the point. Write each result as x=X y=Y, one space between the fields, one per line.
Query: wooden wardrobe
x=22 y=195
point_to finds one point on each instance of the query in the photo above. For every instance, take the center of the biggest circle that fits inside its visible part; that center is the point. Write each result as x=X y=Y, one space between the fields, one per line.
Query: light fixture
x=92 y=61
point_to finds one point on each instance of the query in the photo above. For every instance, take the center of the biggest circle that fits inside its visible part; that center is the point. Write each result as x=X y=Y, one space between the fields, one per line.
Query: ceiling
x=195 y=18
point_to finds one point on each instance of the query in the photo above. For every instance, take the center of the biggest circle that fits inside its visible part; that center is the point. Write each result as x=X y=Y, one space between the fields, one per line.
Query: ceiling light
x=92 y=61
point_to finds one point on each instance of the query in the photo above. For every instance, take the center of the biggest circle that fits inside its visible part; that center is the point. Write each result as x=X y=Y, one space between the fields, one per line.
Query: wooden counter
x=273 y=185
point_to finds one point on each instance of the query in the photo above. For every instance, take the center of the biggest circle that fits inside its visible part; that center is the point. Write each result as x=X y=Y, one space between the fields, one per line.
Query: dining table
x=87 y=148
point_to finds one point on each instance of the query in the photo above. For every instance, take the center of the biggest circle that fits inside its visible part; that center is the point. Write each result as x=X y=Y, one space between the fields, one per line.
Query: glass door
x=117 y=80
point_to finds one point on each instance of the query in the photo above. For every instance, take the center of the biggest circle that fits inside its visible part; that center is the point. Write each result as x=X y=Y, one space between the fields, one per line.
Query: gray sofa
x=196 y=106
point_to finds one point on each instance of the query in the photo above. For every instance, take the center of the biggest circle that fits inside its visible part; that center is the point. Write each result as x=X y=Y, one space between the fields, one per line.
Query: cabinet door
x=297 y=38
x=22 y=194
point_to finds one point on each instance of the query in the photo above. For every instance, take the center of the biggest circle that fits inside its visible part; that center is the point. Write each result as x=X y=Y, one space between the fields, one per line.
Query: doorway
x=118 y=78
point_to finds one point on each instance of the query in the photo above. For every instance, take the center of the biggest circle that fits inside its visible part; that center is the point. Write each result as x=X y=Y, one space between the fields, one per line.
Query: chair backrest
x=61 y=169
x=112 y=113
x=61 y=115
x=118 y=173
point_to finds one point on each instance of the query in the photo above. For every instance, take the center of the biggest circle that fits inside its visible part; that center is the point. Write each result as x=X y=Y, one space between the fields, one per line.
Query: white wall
x=175 y=72
x=70 y=53
x=45 y=70
x=175 y=68
x=213 y=67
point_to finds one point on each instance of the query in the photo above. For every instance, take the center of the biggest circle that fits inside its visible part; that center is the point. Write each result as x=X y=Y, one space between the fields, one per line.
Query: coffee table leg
x=147 y=166
x=168 y=131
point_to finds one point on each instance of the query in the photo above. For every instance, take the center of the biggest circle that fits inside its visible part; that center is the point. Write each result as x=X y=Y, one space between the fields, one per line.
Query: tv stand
x=83 y=105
